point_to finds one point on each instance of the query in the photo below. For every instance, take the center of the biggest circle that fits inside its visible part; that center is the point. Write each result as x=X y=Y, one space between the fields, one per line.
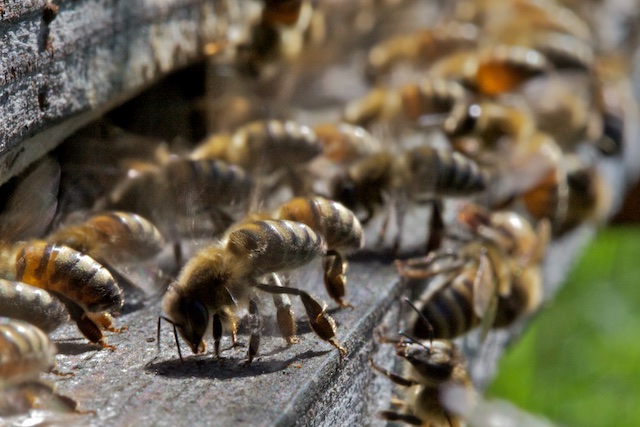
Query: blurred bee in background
x=86 y=288
x=421 y=48
x=492 y=70
x=204 y=196
x=274 y=150
x=430 y=369
x=343 y=143
x=113 y=239
x=492 y=279
x=583 y=198
x=419 y=175
x=25 y=353
x=224 y=278
x=423 y=104
x=31 y=304
x=276 y=39
x=522 y=16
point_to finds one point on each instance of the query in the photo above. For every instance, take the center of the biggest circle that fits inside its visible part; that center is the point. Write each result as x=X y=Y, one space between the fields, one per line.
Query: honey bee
x=419 y=175
x=490 y=122
x=422 y=47
x=25 y=353
x=493 y=279
x=340 y=229
x=584 y=197
x=221 y=279
x=430 y=369
x=211 y=189
x=566 y=108
x=28 y=303
x=421 y=104
x=265 y=147
x=344 y=143
x=262 y=146
x=493 y=70
x=87 y=289
x=112 y=237
x=522 y=16
x=277 y=38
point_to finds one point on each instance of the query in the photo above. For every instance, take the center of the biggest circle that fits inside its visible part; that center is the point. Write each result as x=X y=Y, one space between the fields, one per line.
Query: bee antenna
x=175 y=334
x=423 y=318
x=414 y=340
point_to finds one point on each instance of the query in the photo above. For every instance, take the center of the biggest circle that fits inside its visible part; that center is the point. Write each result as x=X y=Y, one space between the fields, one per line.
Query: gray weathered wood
x=91 y=56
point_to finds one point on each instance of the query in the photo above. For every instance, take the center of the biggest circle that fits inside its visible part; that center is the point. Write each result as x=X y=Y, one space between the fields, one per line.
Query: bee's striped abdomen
x=449 y=311
x=458 y=175
x=66 y=271
x=24 y=302
x=274 y=245
x=25 y=351
x=337 y=224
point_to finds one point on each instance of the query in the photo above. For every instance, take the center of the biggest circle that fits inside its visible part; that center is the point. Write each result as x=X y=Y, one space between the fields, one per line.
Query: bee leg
x=436 y=227
x=400 y=217
x=382 y=232
x=334 y=278
x=86 y=325
x=217 y=334
x=254 y=325
x=105 y=322
x=397 y=416
x=395 y=378
x=177 y=254
x=322 y=324
x=425 y=267
x=284 y=313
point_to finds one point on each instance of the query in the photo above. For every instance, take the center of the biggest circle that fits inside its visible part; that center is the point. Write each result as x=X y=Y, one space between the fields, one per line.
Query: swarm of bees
x=494 y=122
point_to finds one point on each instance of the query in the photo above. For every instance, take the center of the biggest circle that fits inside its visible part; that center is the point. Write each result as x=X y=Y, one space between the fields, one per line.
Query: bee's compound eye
x=196 y=321
x=345 y=193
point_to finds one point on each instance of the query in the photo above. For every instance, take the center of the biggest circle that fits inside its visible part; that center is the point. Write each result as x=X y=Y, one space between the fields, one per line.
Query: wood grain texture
x=85 y=59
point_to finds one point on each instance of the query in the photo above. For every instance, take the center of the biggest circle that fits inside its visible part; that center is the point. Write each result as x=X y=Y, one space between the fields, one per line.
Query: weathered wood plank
x=85 y=59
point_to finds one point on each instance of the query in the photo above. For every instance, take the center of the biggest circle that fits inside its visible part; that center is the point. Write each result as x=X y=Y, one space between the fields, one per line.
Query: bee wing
x=32 y=203
x=484 y=290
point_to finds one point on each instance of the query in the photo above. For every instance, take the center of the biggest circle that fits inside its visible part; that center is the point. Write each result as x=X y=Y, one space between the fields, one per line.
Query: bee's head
x=344 y=191
x=435 y=362
x=190 y=317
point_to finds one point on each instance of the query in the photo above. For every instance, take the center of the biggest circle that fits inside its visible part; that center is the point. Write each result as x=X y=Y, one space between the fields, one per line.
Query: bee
x=265 y=147
x=87 y=289
x=221 y=279
x=419 y=175
x=493 y=279
x=344 y=143
x=422 y=47
x=584 y=197
x=421 y=104
x=493 y=70
x=566 y=108
x=430 y=370
x=262 y=146
x=277 y=38
x=208 y=189
x=522 y=16
x=25 y=353
x=28 y=303
x=340 y=229
x=112 y=237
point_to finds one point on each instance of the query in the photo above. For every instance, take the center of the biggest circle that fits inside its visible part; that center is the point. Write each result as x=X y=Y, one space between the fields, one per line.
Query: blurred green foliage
x=579 y=361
